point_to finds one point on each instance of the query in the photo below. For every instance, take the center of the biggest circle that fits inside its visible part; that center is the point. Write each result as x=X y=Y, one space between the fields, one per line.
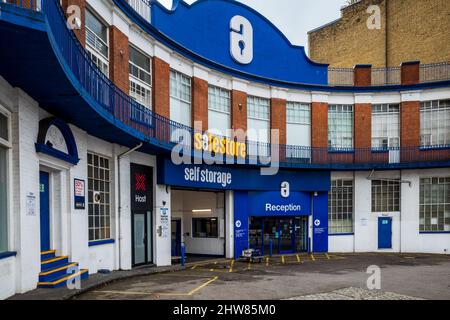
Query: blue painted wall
x=204 y=28
x=320 y=222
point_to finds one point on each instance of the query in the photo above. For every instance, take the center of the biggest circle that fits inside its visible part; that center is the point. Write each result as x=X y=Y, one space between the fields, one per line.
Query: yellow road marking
x=195 y=266
x=282 y=260
x=231 y=266
x=134 y=293
x=328 y=257
x=312 y=257
x=267 y=261
x=249 y=265
x=298 y=258
x=202 y=286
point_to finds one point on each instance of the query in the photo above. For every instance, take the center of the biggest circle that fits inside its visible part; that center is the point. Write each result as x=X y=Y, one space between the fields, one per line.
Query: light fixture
x=201 y=210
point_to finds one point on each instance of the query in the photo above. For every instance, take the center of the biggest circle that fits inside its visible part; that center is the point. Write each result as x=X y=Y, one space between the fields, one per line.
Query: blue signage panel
x=234 y=36
x=241 y=217
x=273 y=204
x=232 y=178
x=320 y=222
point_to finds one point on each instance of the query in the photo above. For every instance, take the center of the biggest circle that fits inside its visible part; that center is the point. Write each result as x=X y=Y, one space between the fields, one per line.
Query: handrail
x=120 y=107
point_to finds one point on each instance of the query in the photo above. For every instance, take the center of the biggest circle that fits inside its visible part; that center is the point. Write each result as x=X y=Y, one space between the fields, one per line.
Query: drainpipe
x=120 y=156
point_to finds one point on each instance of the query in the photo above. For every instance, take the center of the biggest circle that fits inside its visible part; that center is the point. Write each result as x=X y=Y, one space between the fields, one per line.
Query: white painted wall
x=7 y=277
x=183 y=202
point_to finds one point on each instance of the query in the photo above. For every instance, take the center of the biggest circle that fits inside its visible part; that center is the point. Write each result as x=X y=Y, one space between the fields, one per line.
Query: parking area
x=303 y=276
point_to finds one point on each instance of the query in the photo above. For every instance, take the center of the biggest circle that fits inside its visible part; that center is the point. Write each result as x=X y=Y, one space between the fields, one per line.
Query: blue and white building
x=90 y=115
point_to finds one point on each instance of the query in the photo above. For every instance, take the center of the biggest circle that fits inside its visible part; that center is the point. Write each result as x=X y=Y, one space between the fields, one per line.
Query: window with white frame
x=258 y=125
x=5 y=144
x=180 y=98
x=435 y=123
x=435 y=204
x=385 y=126
x=140 y=77
x=340 y=126
x=340 y=207
x=97 y=42
x=219 y=111
x=298 y=129
x=99 y=197
x=385 y=196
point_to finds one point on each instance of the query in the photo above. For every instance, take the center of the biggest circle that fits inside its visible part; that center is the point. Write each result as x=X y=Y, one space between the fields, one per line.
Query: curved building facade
x=130 y=134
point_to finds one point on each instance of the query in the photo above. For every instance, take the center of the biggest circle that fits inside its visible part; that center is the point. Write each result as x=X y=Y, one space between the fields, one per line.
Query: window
x=435 y=123
x=140 y=78
x=4 y=127
x=385 y=196
x=4 y=144
x=205 y=228
x=385 y=126
x=340 y=126
x=99 y=197
x=219 y=111
x=435 y=204
x=180 y=98
x=97 y=42
x=3 y=200
x=298 y=129
x=340 y=207
x=258 y=125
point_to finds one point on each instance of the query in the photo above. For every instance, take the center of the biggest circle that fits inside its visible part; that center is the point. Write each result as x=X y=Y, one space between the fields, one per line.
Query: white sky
x=293 y=17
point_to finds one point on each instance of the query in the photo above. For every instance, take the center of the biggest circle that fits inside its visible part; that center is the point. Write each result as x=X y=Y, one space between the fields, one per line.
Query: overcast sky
x=294 y=17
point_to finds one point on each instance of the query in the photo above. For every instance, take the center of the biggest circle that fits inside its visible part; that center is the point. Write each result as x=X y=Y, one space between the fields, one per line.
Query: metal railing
x=386 y=76
x=142 y=7
x=340 y=77
x=435 y=72
x=27 y=4
x=153 y=128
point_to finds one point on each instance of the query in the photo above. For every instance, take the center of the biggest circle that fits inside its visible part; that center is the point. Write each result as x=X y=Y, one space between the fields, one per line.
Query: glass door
x=286 y=235
x=301 y=234
x=139 y=238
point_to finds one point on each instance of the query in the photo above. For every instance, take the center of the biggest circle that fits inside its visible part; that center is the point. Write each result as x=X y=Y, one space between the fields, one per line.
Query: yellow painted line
x=267 y=261
x=55 y=270
x=47 y=252
x=135 y=293
x=202 y=286
x=312 y=257
x=328 y=257
x=298 y=259
x=282 y=260
x=54 y=260
x=249 y=266
x=195 y=266
x=211 y=270
x=63 y=279
x=231 y=266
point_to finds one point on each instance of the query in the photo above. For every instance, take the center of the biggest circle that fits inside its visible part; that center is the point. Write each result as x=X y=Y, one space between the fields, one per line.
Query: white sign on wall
x=164 y=221
x=31 y=204
x=241 y=40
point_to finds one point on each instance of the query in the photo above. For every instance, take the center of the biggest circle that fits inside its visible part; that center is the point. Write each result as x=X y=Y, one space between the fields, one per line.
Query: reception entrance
x=279 y=235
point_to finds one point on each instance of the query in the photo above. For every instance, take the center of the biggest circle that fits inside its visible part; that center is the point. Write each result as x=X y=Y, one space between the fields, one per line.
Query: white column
x=162 y=243
x=229 y=222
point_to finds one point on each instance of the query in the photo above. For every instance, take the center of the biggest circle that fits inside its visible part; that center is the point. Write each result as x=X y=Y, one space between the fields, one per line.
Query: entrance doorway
x=279 y=235
x=176 y=238
x=141 y=178
x=44 y=200
x=385 y=233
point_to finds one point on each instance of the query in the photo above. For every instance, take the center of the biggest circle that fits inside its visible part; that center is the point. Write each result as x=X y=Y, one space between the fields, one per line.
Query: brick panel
x=363 y=132
x=239 y=110
x=161 y=87
x=410 y=73
x=200 y=102
x=410 y=124
x=319 y=132
x=278 y=118
x=80 y=33
x=119 y=59
x=363 y=76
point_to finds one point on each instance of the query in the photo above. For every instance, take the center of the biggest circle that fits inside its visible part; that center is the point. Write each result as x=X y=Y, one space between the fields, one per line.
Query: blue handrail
x=120 y=107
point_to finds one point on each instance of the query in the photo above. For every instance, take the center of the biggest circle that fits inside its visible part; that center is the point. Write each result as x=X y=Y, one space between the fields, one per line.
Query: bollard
x=183 y=254
x=270 y=247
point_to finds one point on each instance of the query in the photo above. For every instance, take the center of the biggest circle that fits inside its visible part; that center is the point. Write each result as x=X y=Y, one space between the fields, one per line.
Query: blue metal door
x=385 y=233
x=44 y=200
